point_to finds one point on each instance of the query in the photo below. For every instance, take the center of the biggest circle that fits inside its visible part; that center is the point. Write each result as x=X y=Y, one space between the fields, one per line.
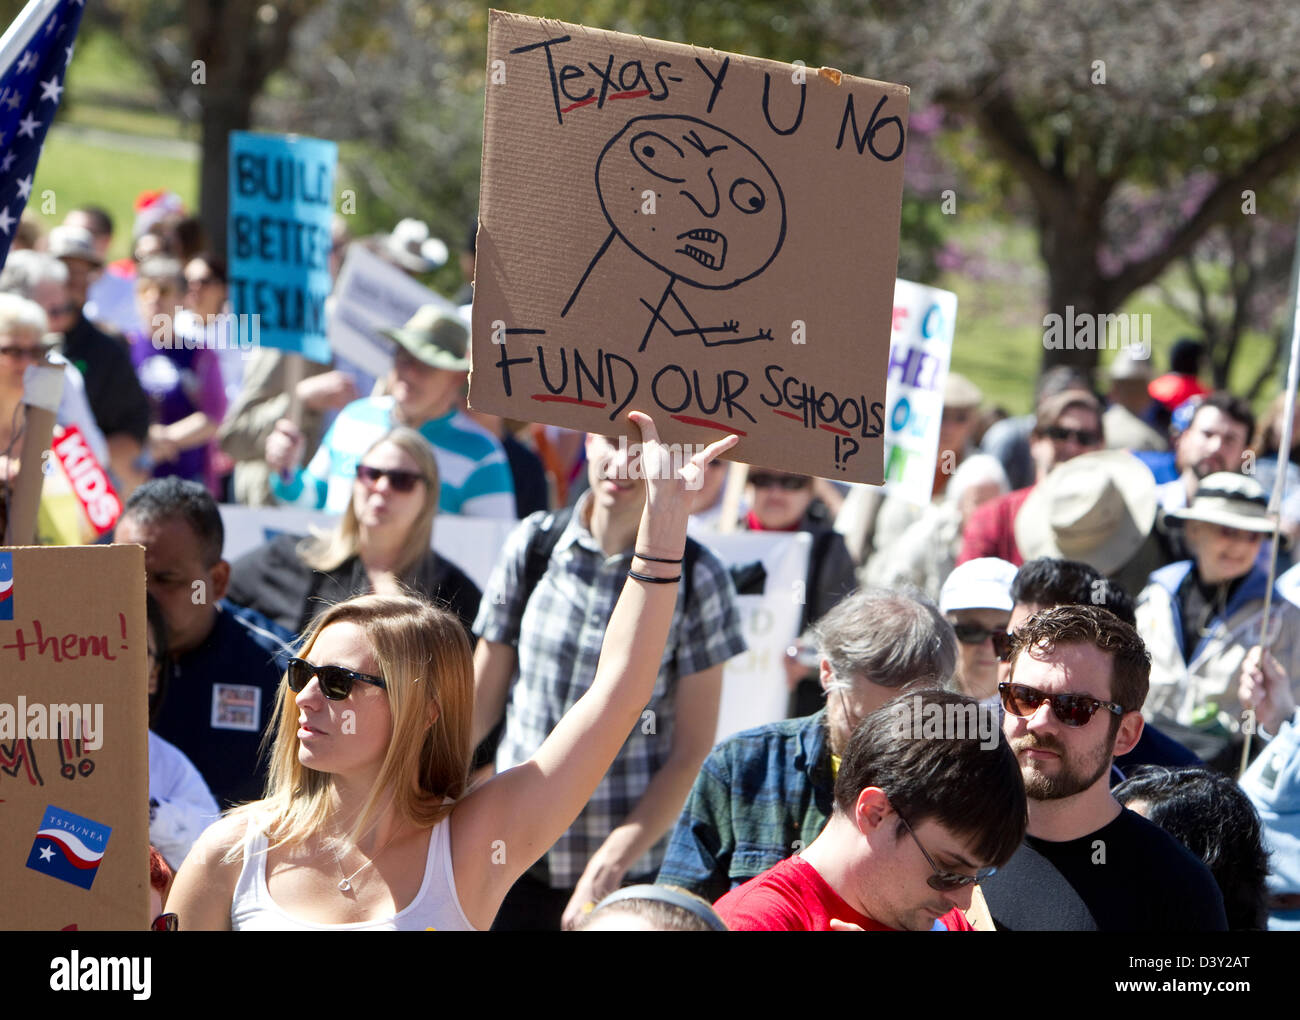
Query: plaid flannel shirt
x=557 y=636
x=760 y=796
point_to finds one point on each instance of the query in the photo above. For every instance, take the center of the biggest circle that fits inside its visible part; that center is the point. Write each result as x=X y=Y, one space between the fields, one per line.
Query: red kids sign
x=99 y=502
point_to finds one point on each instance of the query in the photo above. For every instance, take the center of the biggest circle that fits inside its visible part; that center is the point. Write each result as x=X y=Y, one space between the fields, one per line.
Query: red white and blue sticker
x=68 y=847
x=6 y=586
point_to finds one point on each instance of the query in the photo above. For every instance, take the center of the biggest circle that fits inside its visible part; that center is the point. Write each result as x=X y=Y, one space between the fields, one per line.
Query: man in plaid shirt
x=537 y=656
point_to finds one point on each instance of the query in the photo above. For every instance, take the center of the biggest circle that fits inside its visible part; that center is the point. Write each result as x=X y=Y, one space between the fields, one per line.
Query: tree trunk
x=1068 y=243
x=221 y=114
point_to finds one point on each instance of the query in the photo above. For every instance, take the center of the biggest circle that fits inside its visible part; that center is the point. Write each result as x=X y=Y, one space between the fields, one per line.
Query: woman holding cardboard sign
x=367 y=822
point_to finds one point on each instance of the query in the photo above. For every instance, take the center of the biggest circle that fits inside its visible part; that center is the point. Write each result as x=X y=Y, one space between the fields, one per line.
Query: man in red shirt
x=1068 y=424
x=928 y=796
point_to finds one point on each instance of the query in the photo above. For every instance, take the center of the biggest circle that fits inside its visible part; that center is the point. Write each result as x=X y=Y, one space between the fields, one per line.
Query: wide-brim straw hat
x=1097 y=508
x=1230 y=499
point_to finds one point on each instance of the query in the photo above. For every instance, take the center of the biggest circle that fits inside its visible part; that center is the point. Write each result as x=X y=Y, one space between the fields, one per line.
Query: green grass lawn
x=76 y=173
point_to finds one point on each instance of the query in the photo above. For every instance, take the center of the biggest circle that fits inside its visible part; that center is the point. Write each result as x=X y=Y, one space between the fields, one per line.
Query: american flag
x=34 y=56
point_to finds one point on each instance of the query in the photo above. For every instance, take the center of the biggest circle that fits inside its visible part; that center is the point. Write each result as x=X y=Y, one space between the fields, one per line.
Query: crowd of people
x=1073 y=644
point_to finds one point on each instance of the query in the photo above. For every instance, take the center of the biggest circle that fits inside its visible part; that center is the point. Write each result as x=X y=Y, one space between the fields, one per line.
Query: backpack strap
x=541 y=543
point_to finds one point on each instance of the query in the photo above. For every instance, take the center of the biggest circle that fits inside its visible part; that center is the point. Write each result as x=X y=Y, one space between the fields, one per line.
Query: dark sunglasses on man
x=1084 y=437
x=335 y=681
x=1071 y=709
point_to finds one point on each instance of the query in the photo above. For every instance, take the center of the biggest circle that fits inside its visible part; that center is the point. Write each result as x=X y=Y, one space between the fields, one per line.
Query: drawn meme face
x=719 y=215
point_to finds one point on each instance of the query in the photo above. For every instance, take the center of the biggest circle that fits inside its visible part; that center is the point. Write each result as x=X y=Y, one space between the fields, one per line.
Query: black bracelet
x=655 y=559
x=654 y=580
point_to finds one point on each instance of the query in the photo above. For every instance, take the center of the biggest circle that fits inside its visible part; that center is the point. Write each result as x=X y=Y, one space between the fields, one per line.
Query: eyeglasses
x=1084 y=437
x=791 y=483
x=973 y=634
x=28 y=353
x=1071 y=709
x=947 y=881
x=335 y=681
x=400 y=481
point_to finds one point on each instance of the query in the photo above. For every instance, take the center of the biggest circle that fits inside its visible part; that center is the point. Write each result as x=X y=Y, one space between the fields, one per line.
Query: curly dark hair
x=1096 y=626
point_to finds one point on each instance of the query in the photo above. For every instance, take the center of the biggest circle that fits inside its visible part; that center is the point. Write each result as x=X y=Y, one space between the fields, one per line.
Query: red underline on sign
x=688 y=420
x=838 y=432
x=630 y=95
x=787 y=414
x=580 y=102
x=568 y=400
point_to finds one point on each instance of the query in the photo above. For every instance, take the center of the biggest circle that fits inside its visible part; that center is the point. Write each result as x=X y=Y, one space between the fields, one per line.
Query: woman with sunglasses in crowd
x=1202 y=620
x=381 y=544
x=367 y=823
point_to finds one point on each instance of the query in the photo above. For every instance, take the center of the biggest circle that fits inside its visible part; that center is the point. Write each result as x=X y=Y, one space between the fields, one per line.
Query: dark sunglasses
x=401 y=481
x=30 y=353
x=792 y=483
x=1071 y=709
x=335 y=681
x=946 y=881
x=1083 y=437
x=974 y=634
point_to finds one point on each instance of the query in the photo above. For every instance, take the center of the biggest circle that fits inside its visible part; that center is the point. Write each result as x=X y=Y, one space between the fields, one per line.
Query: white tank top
x=435 y=907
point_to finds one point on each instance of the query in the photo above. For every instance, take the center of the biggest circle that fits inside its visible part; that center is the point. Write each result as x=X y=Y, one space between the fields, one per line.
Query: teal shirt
x=474 y=474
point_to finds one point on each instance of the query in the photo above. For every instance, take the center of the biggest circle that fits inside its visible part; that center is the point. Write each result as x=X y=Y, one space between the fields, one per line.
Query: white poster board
x=920 y=348
x=369 y=295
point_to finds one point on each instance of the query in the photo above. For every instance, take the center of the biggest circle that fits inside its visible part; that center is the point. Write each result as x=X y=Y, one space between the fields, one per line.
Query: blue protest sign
x=281 y=203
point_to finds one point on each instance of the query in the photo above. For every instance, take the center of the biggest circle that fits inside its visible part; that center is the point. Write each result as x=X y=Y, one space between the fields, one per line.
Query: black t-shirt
x=1130 y=875
x=114 y=393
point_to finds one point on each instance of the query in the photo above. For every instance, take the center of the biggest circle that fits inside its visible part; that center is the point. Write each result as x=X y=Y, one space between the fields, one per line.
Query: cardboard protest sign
x=369 y=295
x=281 y=203
x=919 y=352
x=706 y=237
x=74 y=770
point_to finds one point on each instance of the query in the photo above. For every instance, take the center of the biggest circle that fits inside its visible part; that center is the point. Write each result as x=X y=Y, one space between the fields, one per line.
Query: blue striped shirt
x=473 y=472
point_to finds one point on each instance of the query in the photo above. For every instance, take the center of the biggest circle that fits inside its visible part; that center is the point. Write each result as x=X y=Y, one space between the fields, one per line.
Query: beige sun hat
x=1097 y=508
x=1230 y=499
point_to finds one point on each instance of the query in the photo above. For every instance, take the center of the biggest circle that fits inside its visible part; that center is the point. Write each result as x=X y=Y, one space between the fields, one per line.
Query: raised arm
x=502 y=827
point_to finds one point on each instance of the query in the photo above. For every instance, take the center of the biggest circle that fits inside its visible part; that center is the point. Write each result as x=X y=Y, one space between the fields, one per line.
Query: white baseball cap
x=984 y=583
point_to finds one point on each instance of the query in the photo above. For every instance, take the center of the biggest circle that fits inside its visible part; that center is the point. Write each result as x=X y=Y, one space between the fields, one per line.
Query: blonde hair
x=425 y=661
x=329 y=550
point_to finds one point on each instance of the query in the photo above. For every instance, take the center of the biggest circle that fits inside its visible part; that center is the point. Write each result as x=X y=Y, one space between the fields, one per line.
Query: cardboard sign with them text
x=706 y=237
x=74 y=768
x=281 y=205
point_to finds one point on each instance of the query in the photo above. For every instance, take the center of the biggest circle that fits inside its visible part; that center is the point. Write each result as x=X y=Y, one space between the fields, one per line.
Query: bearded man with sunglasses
x=920 y=817
x=1073 y=703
